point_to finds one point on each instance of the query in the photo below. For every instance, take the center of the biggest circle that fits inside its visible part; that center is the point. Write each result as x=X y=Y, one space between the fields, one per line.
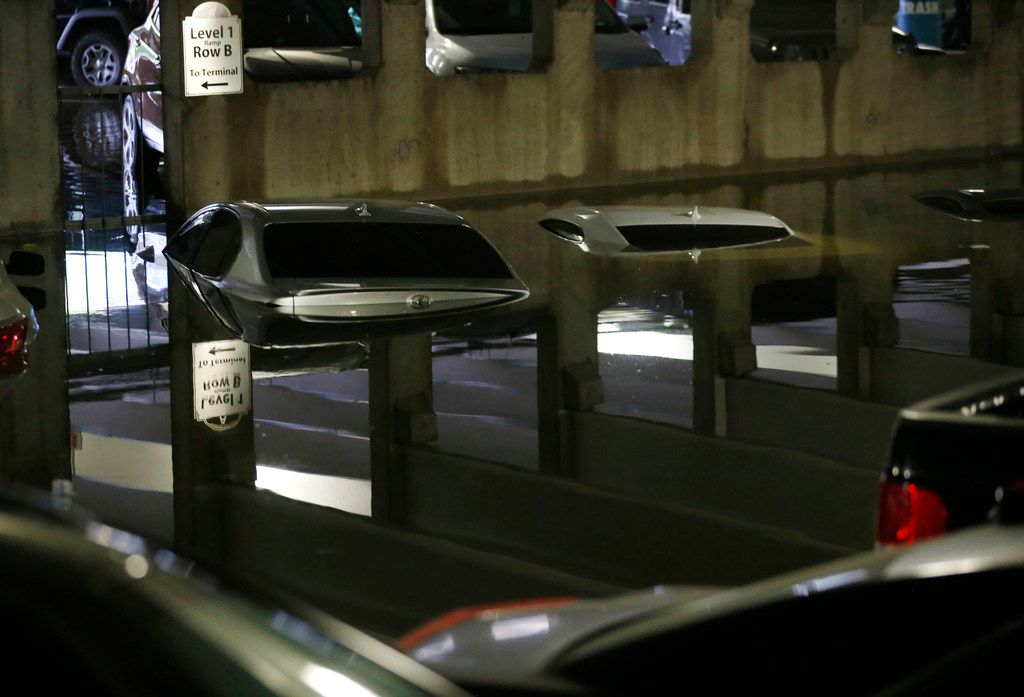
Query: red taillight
x=908 y=513
x=13 y=359
x=417 y=636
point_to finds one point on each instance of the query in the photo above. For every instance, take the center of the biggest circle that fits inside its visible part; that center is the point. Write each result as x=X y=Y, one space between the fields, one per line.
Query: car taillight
x=417 y=636
x=908 y=513
x=13 y=359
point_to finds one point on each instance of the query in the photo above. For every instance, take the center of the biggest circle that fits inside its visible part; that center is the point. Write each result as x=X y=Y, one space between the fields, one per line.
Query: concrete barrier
x=821 y=499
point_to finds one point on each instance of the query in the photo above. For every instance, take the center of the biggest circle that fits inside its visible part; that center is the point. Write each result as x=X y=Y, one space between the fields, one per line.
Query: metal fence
x=115 y=229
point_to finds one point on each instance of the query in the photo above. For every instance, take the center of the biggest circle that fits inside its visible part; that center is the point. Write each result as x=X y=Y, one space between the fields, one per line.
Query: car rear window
x=667 y=238
x=379 y=250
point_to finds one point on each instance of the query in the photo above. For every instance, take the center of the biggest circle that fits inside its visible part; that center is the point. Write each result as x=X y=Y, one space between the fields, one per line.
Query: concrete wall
x=34 y=441
x=596 y=532
x=398 y=129
x=814 y=497
x=811 y=421
x=29 y=165
x=380 y=579
x=904 y=376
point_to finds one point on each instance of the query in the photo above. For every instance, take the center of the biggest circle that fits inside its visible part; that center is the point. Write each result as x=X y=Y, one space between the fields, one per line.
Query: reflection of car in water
x=792 y=30
x=932 y=26
x=466 y=36
x=298 y=40
x=91 y=37
x=316 y=272
x=665 y=24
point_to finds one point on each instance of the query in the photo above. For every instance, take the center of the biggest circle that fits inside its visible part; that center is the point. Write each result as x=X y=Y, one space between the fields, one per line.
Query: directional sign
x=221 y=379
x=213 y=55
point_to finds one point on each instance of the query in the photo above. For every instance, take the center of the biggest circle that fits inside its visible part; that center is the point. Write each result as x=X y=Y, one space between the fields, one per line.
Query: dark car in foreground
x=320 y=271
x=113 y=616
x=942 y=617
x=954 y=462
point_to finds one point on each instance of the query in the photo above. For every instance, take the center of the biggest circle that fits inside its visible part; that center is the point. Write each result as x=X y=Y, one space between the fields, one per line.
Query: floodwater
x=709 y=362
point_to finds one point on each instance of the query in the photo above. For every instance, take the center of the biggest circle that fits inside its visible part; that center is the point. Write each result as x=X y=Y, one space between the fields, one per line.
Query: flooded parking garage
x=681 y=412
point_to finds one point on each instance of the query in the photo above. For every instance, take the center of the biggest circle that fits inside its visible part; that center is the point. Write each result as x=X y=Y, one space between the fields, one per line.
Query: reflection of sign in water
x=221 y=380
x=212 y=48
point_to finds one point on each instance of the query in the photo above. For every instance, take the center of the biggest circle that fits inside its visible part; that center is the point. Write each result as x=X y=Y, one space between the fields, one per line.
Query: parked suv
x=91 y=35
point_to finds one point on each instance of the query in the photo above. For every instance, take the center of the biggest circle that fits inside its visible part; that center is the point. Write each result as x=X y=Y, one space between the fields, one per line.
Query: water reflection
x=90 y=143
x=795 y=356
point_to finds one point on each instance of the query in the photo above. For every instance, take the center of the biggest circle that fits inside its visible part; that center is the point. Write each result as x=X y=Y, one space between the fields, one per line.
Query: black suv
x=91 y=35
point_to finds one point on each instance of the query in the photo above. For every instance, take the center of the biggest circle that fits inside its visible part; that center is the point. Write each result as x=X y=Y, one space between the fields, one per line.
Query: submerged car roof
x=354 y=209
x=671 y=215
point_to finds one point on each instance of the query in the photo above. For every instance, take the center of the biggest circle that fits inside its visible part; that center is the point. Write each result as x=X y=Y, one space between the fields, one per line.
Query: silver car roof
x=379 y=210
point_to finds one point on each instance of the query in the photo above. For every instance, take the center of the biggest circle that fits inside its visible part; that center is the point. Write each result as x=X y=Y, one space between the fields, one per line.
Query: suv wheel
x=96 y=60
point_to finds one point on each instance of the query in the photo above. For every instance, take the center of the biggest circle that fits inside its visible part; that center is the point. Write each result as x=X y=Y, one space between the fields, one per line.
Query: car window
x=664 y=238
x=379 y=250
x=299 y=24
x=220 y=245
x=877 y=635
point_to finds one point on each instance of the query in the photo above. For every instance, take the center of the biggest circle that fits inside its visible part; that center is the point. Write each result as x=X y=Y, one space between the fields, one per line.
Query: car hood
x=523 y=645
x=519 y=642
x=513 y=52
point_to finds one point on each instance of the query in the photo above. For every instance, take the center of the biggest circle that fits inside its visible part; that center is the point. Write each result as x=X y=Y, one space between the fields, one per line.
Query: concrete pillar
x=29 y=168
x=401 y=414
x=200 y=455
x=34 y=423
x=865 y=319
x=722 y=343
x=982 y=301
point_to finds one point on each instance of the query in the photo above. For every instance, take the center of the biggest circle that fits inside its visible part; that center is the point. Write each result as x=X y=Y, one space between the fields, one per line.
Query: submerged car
x=472 y=36
x=310 y=272
x=953 y=462
x=128 y=618
x=942 y=617
x=976 y=205
x=610 y=230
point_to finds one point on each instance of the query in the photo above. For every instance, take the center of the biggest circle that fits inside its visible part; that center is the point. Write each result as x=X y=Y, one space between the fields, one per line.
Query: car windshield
x=468 y=17
x=299 y=23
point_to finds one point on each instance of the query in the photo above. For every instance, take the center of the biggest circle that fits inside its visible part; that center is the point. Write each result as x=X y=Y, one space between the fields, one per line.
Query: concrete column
x=401 y=413
x=34 y=422
x=568 y=365
x=29 y=168
x=722 y=345
x=982 y=305
x=200 y=455
x=865 y=320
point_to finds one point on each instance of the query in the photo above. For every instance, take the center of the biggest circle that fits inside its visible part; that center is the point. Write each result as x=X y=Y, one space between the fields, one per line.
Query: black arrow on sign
x=214 y=351
x=208 y=85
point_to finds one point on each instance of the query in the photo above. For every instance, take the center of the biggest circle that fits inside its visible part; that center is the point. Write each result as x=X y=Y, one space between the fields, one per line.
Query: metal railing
x=115 y=286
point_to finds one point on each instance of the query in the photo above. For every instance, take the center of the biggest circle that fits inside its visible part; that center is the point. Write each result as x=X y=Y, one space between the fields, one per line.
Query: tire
x=96 y=60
